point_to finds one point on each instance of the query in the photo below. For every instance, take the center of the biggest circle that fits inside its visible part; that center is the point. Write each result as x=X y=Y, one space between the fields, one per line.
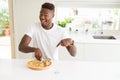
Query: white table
x=16 y=69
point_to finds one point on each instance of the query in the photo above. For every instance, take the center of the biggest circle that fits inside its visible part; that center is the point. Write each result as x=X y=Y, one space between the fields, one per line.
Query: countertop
x=81 y=37
x=16 y=69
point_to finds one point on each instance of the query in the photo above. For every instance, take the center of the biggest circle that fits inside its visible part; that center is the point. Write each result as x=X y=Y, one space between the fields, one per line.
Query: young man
x=46 y=36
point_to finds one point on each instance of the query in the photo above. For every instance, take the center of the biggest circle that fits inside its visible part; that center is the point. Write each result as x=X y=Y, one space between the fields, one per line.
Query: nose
x=42 y=17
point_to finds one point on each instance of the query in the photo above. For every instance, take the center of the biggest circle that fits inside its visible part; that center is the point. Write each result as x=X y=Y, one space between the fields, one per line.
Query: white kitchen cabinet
x=94 y=52
x=102 y=52
x=64 y=54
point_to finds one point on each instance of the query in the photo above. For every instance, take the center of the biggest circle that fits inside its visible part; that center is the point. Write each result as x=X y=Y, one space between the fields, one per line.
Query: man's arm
x=72 y=49
x=24 y=47
x=69 y=44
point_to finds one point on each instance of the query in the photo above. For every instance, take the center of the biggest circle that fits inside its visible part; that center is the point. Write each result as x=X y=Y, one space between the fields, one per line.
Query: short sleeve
x=29 y=31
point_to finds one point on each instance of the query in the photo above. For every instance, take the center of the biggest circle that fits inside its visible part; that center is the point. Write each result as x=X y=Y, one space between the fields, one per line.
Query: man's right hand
x=38 y=54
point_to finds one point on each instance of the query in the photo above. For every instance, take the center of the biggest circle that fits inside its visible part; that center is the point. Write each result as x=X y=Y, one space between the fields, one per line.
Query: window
x=88 y=14
x=89 y=18
x=5 y=39
x=4 y=18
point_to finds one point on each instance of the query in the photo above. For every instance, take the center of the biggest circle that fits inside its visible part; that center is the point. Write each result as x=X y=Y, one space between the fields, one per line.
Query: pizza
x=39 y=65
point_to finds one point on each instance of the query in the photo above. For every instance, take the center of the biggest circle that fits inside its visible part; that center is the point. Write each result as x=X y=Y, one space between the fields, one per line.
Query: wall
x=88 y=3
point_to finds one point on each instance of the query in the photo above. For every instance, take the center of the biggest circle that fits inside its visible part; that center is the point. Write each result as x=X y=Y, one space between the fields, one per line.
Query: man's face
x=45 y=17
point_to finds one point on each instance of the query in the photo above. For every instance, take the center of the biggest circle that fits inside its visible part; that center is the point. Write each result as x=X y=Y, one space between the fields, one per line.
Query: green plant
x=4 y=21
x=62 y=23
x=65 y=22
x=4 y=18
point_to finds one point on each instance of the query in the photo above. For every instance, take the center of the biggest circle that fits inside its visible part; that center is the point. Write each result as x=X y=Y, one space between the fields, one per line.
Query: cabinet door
x=64 y=54
x=102 y=52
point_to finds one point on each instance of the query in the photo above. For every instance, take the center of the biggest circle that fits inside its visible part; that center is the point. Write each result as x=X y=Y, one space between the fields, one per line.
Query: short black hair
x=49 y=6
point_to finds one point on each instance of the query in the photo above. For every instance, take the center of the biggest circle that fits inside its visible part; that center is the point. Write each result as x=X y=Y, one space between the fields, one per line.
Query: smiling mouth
x=43 y=21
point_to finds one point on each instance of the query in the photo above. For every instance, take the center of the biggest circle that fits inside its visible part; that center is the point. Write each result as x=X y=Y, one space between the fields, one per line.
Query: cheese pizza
x=39 y=65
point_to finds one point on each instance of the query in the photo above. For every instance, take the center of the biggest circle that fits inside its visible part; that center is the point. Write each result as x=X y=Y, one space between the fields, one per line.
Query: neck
x=49 y=27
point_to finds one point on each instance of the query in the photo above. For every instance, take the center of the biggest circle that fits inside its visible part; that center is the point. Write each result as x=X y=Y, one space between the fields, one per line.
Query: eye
x=44 y=15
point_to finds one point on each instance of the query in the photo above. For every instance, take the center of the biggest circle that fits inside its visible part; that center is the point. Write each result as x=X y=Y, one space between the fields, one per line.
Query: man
x=46 y=36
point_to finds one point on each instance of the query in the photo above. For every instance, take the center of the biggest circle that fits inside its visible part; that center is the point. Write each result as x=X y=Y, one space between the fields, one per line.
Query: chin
x=44 y=26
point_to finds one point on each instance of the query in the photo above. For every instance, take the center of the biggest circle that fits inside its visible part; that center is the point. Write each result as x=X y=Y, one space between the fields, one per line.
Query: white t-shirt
x=46 y=40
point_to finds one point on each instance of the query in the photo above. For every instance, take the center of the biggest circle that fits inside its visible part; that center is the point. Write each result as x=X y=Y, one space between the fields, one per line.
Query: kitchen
x=26 y=13
x=88 y=48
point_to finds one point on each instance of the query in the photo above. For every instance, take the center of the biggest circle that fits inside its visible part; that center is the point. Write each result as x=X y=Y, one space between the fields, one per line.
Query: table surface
x=16 y=69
